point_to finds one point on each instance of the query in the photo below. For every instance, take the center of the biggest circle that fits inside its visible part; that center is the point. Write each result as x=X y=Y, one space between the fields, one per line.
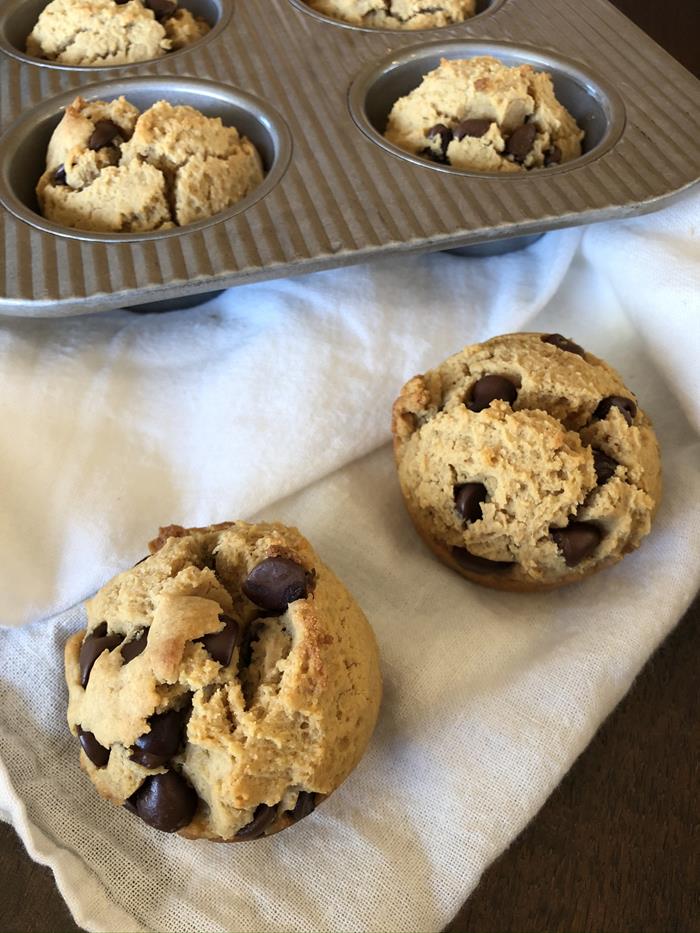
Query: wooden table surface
x=615 y=848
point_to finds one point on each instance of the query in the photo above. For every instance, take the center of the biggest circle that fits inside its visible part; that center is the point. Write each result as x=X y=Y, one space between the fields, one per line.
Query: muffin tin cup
x=483 y=8
x=23 y=146
x=595 y=105
x=347 y=195
x=18 y=17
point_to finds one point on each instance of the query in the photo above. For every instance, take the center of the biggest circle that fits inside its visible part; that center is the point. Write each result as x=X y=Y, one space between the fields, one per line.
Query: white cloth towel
x=273 y=400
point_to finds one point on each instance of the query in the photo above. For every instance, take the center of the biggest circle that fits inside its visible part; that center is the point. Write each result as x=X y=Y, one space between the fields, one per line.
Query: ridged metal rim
x=51 y=111
x=303 y=7
x=225 y=12
x=604 y=94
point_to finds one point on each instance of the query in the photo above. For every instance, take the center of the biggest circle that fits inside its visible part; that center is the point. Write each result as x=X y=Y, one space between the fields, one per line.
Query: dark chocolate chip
x=476 y=564
x=130 y=805
x=552 y=156
x=92 y=648
x=155 y=748
x=488 y=389
x=220 y=645
x=306 y=804
x=563 y=343
x=625 y=405
x=468 y=499
x=165 y=801
x=132 y=649
x=262 y=818
x=103 y=134
x=445 y=134
x=437 y=157
x=520 y=141
x=577 y=541
x=98 y=754
x=471 y=128
x=162 y=8
x=59 y=176
x=276 y=582
x=604 y=466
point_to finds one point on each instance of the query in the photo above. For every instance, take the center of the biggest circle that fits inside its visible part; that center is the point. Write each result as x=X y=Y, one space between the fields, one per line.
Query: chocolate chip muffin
x=397 y=14
x=112 y=169
x=526 y=463
x=480 y=115
x=225 y=685
x=112 y=32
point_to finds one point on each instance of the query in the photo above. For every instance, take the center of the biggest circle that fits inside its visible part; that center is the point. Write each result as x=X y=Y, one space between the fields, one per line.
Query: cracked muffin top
x=112 y=32
x=112 y=169
x=525 y=462
x=225 y=684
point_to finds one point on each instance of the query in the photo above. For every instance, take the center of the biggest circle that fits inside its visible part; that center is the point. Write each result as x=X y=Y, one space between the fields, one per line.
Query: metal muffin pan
x=24 y=154
x=18 y=17
x=345 y=198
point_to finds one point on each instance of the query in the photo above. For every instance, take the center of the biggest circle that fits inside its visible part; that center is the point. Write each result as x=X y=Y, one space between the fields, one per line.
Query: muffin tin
x=313 y=94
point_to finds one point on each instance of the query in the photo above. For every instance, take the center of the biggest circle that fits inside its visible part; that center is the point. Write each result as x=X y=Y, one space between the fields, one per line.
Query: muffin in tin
x=526 y=463
x=224 y=685
x=110 y=168
x=396 y=14
x=102 y=33
x=481 y=115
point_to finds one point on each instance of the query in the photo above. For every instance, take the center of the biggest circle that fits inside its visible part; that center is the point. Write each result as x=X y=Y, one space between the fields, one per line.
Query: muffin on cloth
x=480 y=115
x=225 y=685
x=397 y=14
x=525 y=462
x=111 y=169
x=112 y=32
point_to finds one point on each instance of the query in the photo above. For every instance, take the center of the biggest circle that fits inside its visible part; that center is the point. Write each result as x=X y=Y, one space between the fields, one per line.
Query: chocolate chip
x=220 y=645
x=437 y=157
x=471 y=128
x=276 y=582
x=155 y=748
x=577 y=541
x=552 y=156
x=165 y=801
x=625 y=405
x=98 y=754
x=520 y=141
x=132 y=649
x=563 y=343
x=306 y=804
x=477 y=564
x=445 y=134
x=604 y=466
x=488 y=389
x=262 y=818
x=162 y=8
x=93 y=646
x=468 y=499
x=103 y=134
x=59 y=176
x=130 y=805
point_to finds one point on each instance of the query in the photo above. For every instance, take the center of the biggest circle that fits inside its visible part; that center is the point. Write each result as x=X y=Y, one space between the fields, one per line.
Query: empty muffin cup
x=18 y=18
x=595 y=105
x=482 y=7
x=24 y=144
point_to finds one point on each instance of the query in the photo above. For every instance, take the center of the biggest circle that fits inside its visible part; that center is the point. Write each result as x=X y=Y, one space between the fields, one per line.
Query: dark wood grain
x=616 y=846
